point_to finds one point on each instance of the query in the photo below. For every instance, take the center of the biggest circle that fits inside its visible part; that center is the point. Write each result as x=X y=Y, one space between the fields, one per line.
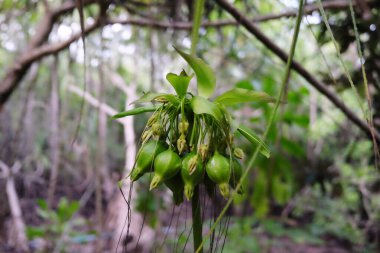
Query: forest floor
x=245 y=234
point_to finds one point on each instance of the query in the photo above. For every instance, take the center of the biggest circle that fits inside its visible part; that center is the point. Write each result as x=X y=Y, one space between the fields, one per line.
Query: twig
x=95 y=102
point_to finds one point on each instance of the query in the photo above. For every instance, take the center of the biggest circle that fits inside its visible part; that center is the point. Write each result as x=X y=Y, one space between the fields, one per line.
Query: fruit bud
x=224 y=190
x=157 y=129
x=181 y=144
x=146 y=136
x=239 y=153
x=193 y=164
x=161 y=99
x=203 y=151
x=152 y=119
x=183 y=126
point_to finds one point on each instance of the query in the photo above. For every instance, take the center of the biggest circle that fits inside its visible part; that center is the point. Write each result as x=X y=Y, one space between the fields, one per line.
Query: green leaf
x=206 y=80
x=239 y=95
x=34 y=232
x=201 y=105
x=155 y=97
x=254 y=139
x=179 y=82
x=134 y=111
x=42 y=204
x=244 y=84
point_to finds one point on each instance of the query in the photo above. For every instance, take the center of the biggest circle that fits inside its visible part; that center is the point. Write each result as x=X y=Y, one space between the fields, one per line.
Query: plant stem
x=197 y=220
x=195 y=204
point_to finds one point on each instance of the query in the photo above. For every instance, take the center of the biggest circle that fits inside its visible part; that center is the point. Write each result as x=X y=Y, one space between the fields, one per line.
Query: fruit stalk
x=197 y=220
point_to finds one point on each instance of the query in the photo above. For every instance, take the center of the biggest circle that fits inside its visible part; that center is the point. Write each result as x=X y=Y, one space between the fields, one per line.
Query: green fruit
x=236 y=173
x=145 y=158
x=218 y=170
x=192 y=173
x=166 y=165
x=175 y=184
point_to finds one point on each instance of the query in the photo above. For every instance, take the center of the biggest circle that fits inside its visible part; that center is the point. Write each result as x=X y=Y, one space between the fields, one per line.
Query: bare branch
x=18 y=69
x=95 y=102
x=35 y=49
x=331 y=5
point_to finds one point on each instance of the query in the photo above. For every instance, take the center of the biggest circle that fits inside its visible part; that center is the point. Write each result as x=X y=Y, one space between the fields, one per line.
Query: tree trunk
x=54 y=131
x=101 y=172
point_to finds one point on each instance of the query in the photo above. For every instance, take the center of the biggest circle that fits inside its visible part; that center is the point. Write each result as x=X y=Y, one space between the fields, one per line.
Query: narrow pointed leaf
x=134 y=111
x=206 y=80
x=179 y=82
x=254 y=139
x=155 y=97
x=201 y=105
x=239 y=95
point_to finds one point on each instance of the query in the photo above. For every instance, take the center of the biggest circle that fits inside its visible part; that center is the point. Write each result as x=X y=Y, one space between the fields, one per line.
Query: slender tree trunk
x=54 y=131
x=19 y=237
x=101 y=172
x=27 y=115
x=117 y=210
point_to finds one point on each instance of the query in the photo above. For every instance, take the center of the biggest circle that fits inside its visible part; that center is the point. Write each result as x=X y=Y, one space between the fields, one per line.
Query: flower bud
x=181 y=144
x=152 y=120
x=203 y=151
x=193 y=164
x=161 y=99
x=146 y=136
x=183 y=126
x=239 y=153
x=157 y=129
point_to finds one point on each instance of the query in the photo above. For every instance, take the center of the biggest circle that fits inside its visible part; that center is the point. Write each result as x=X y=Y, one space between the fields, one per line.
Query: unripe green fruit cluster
x=184 y=149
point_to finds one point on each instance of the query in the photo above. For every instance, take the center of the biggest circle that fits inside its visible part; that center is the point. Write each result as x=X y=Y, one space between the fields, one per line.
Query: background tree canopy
x=66 y=67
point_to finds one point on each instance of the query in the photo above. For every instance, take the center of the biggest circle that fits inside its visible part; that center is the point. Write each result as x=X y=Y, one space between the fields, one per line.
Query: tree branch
x=320 y=86
x=17 y=71
x=331 y=5
x=95 y=102
x=36 y=50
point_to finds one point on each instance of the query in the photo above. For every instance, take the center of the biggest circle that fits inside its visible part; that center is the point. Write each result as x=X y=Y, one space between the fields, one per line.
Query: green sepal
x=201 y=105
x=179 y=82
x=206 y=80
